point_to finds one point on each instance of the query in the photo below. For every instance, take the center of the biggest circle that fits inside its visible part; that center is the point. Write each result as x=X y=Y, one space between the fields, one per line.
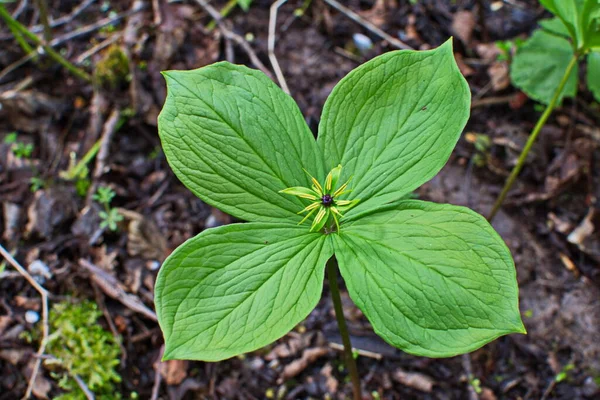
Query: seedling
x=545 y=67
x=434 y=280
x=19 y=149
x=110 y=216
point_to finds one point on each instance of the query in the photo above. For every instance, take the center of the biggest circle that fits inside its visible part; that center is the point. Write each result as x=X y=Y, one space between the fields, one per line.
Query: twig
x=235 y=37
x=361 y=21
x=88 y=393
x=20 y=8
x=76 y=33
x=231 y=4
x=46 y=48
x=157 y=12
x=64 y=19
x=360 y=352
x=157 y=374
x=112 y=288
x=45 y=327
x=492 y=101
x=466 y=362
x=12 y=67
x=271 y=44
x=103 y=44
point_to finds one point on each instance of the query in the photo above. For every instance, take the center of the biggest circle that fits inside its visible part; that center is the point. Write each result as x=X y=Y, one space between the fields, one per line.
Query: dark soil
x=63 y=116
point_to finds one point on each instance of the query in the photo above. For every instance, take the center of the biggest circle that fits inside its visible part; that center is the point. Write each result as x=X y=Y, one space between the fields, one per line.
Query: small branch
x=47 y=48
x=534 y=134
x=157 y=12
x=466 y=362
x=339 y=316
x=271 y=45
x=233 y=36
x=366 y=24
x=45 y=327
x=224 y=13
x=86 y=390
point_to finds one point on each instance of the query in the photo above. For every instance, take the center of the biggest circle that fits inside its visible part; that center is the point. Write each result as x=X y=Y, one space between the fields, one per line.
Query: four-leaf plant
x=543 y=60
x=434 y=280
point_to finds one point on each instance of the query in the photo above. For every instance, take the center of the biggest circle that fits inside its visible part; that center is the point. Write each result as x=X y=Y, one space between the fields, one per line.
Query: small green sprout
x=564 y=373
x=19 y=149
x=10 y=138
x=36 y=184
x=476 y=385
x=110 y=216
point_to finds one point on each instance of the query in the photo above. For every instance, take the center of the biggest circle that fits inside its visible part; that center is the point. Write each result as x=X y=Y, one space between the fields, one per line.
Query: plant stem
x=43 y=8
x=224 y=12
x=339 y=316
x=48 y=49
x=534 y=134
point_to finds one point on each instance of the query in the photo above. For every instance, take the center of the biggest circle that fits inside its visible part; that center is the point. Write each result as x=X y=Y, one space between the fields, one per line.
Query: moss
x=82 y=348
x=113 y=69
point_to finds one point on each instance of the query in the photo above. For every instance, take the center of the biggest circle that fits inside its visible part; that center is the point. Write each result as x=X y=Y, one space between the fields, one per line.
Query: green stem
x=534 y=134
x=43 y=8
x=48 y=49
x=224 y=13
x=19 y=38
x=339 y=315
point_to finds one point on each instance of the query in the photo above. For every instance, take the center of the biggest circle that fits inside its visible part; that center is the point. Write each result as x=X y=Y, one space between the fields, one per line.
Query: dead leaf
x=463 y=24
x=587 y=235
x=144 y=239
x=112 y=288
x=174 y=371
x=487 y=394
x=414 y=380
x=294 y=345
x=499 y=75
x=464 y=68
x=489 y=52
x=297 y=366
x=330 y=381
x=48 y=211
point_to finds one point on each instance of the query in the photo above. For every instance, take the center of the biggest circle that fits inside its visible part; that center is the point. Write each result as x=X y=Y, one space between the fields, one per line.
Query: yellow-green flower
x=325 y=199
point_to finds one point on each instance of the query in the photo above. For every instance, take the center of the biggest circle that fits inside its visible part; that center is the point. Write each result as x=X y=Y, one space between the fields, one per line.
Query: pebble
x=362 y=42
x=32 y=317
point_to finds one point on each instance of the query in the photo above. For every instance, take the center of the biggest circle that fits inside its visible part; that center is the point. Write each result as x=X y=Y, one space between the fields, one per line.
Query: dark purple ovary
x=327 y=200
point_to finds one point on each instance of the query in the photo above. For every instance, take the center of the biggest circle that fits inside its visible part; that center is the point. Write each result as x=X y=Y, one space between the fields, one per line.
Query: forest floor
x=51 y=222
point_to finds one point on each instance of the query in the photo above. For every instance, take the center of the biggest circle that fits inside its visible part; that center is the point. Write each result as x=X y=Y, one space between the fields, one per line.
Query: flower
x=325 y=199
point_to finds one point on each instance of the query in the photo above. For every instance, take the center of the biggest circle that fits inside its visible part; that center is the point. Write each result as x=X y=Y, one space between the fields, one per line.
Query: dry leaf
x=463 y=25
x=297 y=366
x=499 y=75
x=414 y=380
x=174 y=371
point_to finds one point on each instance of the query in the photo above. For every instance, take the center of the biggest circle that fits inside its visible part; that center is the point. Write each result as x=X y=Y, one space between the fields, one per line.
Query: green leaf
x=235 y=140
x=434 y=280
x=578 y=16
x=244 y=4
x=393 y=122
x=593 y=74
x=555 y=26
x=540 y=64
x=237 y=288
